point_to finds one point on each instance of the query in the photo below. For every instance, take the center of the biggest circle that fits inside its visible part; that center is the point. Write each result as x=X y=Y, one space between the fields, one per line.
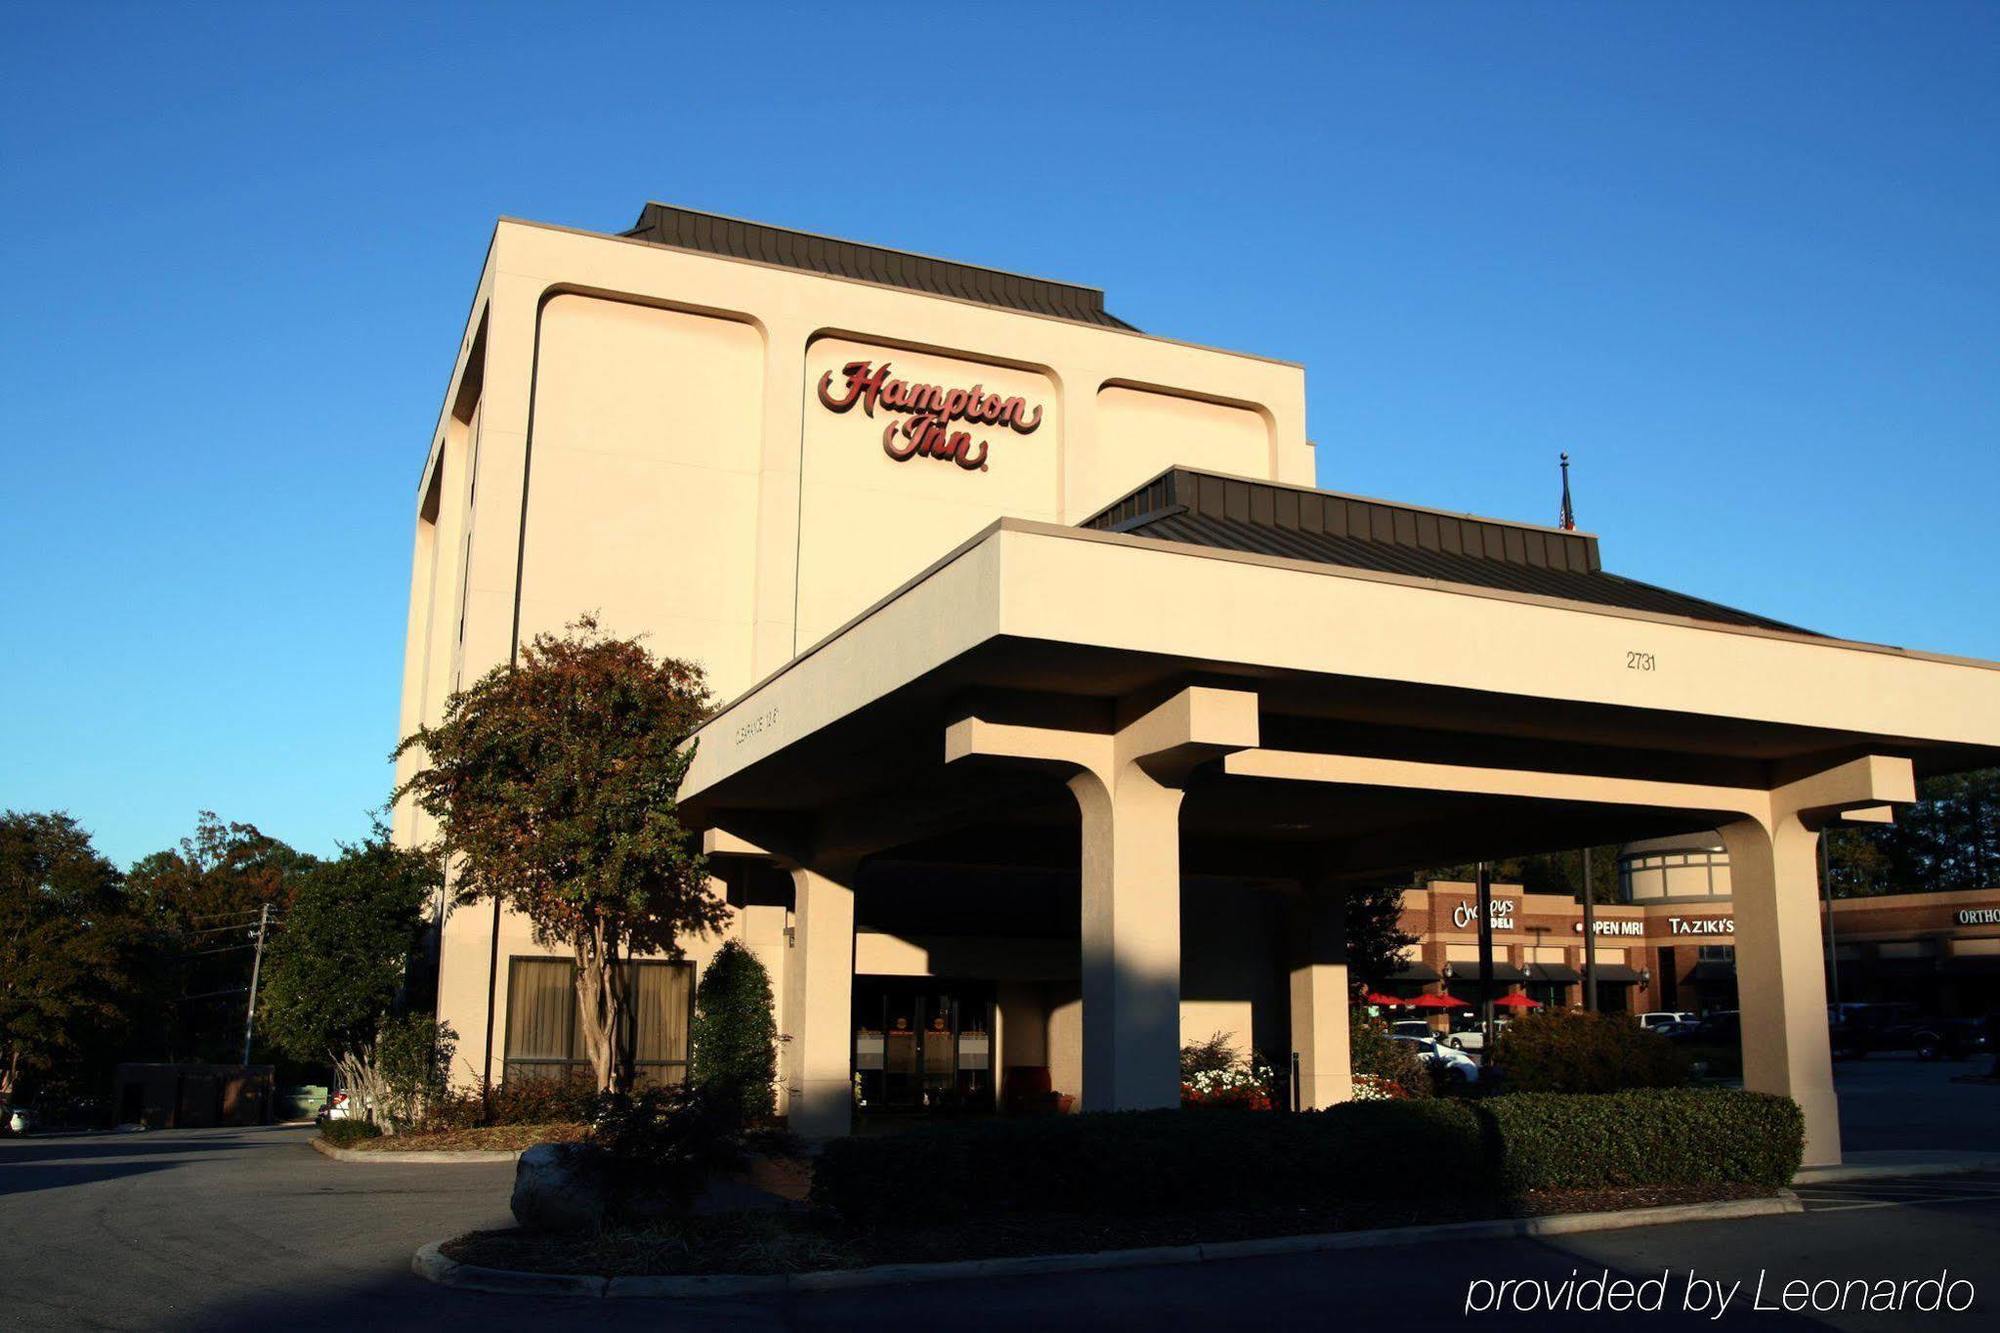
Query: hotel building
x=1060 y=705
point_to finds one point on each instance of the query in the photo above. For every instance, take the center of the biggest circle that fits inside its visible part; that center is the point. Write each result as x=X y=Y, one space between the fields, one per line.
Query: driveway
x=251 y=1229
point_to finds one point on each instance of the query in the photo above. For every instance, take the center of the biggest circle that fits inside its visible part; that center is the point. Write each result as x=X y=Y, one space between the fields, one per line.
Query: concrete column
x=1127 y=784
x=1320 y=999
x=1131 y=941
x=1781 y=973
x=819 y=1004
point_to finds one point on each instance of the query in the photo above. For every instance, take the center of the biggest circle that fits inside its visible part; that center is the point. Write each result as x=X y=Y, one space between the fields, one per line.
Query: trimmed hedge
x=1572 y=1050
x=347 y=1133
x=1664 y=1136
x=1139 y=1162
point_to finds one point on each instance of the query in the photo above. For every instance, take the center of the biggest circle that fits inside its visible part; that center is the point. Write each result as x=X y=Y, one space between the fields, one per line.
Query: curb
x=1833 y=1175
x=431 y=1263
x=394 y=1158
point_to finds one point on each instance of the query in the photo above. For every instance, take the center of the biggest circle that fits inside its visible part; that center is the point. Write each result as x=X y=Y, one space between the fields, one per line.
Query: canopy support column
x=1127 y=783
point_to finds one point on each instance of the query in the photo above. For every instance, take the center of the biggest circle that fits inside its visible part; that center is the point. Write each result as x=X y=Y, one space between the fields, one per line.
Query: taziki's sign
x=1467 y=914
x=929 y=413
x=1979 y=916
x=1612 y=927
x=1701 y=925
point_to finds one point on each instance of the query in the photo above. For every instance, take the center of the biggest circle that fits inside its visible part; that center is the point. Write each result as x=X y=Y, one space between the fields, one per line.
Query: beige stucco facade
x=1106 y=786
x=636 y=431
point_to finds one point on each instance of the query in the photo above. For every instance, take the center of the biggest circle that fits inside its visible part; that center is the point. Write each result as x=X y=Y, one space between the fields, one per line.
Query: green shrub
x=347 y=1133
x=1661 y=1136
x=519 y=1101
x=1572 y=1050
x=664 y=1143
x=1143 y=1162
x=1392 y=1067
x=1139 y=1162
x=734 y=1035
x=413 y=1055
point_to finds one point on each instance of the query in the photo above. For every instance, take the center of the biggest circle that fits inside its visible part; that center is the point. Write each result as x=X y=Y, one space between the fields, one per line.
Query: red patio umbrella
x=1440 y=1002
x=1517 y=1002
x=1378 y=998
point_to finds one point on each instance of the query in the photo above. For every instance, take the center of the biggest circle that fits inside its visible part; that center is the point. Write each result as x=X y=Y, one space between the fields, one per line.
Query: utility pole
x=256 y=968
x=1589 y=938
x=1484 y=904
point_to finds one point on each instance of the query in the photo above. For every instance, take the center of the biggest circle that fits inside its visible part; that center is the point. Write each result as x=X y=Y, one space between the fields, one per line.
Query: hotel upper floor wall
x=638 y=431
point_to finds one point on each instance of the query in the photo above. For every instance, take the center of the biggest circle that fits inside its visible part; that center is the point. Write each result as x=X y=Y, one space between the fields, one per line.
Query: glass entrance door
x=923 y=1045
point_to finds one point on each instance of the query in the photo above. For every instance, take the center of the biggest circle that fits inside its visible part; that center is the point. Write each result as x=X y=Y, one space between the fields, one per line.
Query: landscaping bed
x=479 y=1138
x=799 y=1241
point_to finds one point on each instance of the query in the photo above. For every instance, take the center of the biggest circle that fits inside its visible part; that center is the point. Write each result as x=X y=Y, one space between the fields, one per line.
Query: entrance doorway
x=923 y=1045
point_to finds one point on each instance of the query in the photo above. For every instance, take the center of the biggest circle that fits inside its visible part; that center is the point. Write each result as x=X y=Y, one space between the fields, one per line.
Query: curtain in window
x=541 y=1003
x=659 y=998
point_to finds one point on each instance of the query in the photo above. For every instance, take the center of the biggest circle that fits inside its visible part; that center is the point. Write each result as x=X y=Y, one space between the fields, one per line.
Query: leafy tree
x=68 y=937
x=333 y=973
x=204 y=897
x=413 y=1059
x=1949 y=839
x=735 y=1033
x=1544 y=872
x=1375 y=935
x=554 y=784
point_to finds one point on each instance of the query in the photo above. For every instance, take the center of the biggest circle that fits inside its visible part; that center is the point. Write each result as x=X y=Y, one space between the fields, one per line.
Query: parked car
x=1453 y=1064
x=1724 y=1027
x=1467 y=1035
x=1863 y=1030
x=339 y=1106
x=1412 y=1027
x=1660 y=1018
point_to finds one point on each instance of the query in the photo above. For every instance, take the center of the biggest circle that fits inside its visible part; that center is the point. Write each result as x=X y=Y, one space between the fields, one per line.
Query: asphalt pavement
x=251 y=1229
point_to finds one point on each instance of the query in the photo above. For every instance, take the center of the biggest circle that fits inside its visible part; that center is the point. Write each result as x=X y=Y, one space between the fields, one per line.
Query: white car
x=1453 y=1064
x=1472 y=1037
x=1412 y=1027
x=1660 y=1018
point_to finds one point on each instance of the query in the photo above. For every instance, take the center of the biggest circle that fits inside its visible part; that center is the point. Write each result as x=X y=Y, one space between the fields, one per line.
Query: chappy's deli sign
x=932 y=420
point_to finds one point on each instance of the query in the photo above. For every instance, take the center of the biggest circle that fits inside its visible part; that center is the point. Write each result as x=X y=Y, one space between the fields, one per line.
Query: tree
x=68 y=936
x=333 y=973
x=204 y=897
x=554 y=784
x=1375 y=935
x=735 y=1034
x=1949 y=839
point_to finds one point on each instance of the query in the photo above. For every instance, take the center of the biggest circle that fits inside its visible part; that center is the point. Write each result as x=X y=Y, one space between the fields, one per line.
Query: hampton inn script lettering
x=930 y=412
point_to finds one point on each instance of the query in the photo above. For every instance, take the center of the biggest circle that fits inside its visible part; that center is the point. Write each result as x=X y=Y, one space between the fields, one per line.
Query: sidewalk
x=1885 y=1163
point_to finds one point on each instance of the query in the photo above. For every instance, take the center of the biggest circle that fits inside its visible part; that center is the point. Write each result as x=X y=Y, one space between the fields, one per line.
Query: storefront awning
x=1562 y=972
x=1713 y=971
x=1501 y=972
x=1621 y=975
x=1973 y=965
x=1415 y=972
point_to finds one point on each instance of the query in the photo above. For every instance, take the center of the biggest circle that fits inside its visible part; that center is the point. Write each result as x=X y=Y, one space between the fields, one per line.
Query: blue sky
x=1742 y=261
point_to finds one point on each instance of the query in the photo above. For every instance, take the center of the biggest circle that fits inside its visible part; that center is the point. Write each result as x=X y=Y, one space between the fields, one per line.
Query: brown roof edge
x=1181 y=489
x=738 y=238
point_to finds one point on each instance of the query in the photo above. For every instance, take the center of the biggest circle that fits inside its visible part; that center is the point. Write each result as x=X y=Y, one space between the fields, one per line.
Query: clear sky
x=1742 y=261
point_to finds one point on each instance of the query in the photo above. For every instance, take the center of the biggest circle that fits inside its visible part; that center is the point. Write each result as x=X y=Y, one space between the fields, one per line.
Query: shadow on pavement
x=30 y=1177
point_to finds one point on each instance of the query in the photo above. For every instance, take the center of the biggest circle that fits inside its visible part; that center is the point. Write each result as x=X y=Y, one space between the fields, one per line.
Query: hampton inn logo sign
x=930 y=414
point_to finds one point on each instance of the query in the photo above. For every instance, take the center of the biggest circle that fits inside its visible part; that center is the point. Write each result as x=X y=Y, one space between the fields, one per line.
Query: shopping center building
x=1061 y=707
x=1670 y=943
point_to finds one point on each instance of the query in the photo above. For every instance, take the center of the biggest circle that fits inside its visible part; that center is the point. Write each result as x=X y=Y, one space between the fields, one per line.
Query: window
x=1715 y=953
x=544 y=1039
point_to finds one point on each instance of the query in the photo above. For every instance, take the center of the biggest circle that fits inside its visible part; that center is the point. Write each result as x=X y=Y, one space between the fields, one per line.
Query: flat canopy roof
x=1055 y=626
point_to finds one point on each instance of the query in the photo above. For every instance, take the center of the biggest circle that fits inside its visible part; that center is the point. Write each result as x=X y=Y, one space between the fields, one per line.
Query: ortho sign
x=929 y=411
